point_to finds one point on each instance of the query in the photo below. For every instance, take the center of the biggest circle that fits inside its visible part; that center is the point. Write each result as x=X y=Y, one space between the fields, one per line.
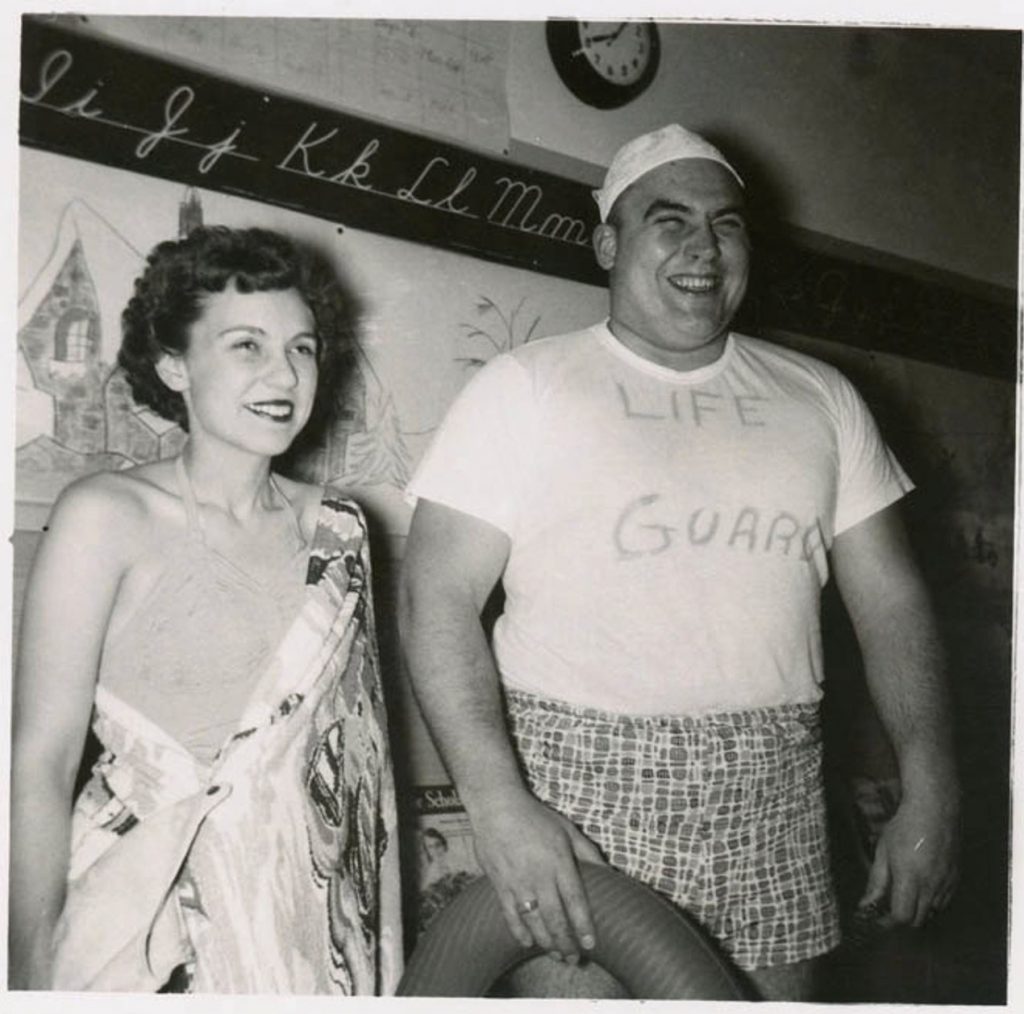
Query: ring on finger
x=527 y=906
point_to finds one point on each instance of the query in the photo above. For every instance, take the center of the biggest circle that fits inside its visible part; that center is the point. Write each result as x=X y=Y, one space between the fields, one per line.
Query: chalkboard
x=814 y=292
x=93 y=99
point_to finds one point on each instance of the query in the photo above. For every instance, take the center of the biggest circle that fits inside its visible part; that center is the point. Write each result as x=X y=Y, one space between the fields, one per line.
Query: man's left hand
x=915 y=864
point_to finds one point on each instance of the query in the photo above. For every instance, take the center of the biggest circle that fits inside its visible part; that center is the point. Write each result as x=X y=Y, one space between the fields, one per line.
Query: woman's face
x=436 y=847
x=249 y=374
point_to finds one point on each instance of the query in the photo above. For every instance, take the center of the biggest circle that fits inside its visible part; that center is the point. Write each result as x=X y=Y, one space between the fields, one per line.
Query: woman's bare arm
x=70 y=593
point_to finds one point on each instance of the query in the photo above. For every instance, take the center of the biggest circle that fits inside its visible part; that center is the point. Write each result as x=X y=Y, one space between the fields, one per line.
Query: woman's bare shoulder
x=121 y=503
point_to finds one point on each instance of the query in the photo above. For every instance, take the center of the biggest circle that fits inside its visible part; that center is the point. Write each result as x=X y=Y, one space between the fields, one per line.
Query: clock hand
x=608 y=37
x=611 y=36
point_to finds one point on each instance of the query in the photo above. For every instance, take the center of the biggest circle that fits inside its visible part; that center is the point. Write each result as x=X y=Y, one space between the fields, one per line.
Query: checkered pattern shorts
x=723 y=814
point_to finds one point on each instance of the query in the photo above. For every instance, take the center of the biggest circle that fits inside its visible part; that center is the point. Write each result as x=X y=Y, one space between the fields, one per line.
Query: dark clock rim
x=563 y=38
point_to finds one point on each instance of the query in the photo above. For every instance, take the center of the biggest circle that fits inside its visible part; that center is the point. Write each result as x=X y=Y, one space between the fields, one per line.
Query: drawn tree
x=496 y=331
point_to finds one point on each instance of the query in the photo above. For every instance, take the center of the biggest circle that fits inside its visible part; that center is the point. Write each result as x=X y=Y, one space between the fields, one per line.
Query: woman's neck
x=237 y=484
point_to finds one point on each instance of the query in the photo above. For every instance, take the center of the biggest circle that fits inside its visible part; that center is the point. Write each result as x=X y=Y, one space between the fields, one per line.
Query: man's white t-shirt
x=668 y=529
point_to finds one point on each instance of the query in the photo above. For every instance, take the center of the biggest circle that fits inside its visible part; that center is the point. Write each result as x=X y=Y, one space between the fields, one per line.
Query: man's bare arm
x=916 y=859
x=452 y=564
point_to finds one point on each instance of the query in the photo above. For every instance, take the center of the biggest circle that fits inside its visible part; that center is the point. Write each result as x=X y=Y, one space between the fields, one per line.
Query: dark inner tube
x=652 y=948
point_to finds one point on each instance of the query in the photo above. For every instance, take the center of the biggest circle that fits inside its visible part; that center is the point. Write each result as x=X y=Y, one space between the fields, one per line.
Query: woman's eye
x=306 y=349
x=246 y=344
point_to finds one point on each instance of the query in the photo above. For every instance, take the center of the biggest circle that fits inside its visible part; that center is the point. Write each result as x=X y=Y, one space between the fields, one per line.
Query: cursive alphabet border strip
x=104 y=102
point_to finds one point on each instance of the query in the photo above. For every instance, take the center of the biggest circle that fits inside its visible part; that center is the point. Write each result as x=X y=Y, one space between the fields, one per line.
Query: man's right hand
x=530 y=853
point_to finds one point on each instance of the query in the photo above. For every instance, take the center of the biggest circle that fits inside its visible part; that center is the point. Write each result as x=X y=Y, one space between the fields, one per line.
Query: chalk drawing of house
x=74 y=413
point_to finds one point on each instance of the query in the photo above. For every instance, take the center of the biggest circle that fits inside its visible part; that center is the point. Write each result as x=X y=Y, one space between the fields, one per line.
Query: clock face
x=619 y=51
x=604 y=63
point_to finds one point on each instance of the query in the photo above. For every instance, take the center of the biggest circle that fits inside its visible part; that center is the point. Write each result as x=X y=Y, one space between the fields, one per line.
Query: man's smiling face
x=678 y=252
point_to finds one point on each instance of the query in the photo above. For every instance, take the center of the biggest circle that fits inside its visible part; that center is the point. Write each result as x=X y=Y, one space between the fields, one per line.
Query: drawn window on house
x=72 y=343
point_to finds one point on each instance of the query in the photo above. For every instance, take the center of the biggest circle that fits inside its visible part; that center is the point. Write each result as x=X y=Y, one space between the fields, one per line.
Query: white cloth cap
x=649 y=151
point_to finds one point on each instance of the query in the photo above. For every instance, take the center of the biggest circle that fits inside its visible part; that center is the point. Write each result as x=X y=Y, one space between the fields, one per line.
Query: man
x=664 y=500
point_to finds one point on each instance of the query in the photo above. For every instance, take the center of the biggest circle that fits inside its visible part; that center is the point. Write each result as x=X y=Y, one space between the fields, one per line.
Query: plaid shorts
x=723 y=814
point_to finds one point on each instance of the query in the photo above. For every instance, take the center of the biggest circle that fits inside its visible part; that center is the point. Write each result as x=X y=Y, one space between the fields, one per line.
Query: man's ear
x=606 y=244
x=172 y=371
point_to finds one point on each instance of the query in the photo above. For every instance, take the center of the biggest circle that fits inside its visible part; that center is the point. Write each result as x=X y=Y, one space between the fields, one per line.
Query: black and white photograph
x=512 y=509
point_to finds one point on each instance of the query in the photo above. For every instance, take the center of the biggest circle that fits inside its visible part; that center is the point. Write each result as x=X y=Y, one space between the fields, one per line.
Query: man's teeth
x=271 y=409
x=690 y=283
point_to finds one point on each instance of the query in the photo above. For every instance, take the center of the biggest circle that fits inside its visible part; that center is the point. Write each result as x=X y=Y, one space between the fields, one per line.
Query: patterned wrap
x=723 y=814
x=275 y=869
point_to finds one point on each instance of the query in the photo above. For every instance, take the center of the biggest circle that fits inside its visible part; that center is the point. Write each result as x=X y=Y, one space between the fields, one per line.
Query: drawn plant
x=378 y=455
x=501 y=331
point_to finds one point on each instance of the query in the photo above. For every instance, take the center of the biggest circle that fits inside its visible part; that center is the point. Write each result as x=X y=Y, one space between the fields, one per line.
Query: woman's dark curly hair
x=180 y=275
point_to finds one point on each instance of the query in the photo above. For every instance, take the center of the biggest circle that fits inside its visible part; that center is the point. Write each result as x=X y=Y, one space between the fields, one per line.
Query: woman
x=214 y=621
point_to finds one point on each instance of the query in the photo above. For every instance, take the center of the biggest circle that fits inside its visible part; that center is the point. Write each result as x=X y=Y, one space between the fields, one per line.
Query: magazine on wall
x=445 y=857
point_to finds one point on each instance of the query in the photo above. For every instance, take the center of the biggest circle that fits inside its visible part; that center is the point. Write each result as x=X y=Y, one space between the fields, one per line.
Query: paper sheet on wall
x=442 y=77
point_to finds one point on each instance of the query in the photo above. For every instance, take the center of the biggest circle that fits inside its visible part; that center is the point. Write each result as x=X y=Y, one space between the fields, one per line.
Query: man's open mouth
x=694 y=283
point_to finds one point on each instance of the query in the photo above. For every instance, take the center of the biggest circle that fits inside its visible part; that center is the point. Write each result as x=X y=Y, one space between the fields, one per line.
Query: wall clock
x=604 y=63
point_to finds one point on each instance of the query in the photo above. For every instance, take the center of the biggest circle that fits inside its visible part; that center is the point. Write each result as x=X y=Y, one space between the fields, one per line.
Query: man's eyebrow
x=661 y=204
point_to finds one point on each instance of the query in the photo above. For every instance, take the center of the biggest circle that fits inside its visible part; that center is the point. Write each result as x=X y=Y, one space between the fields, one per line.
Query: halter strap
x=195 y=524
x=188 y=495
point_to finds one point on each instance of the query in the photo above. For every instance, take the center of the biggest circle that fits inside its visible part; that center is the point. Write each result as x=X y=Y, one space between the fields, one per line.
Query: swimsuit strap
x=292 y=513
x=189 y=496
x=192 y=505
